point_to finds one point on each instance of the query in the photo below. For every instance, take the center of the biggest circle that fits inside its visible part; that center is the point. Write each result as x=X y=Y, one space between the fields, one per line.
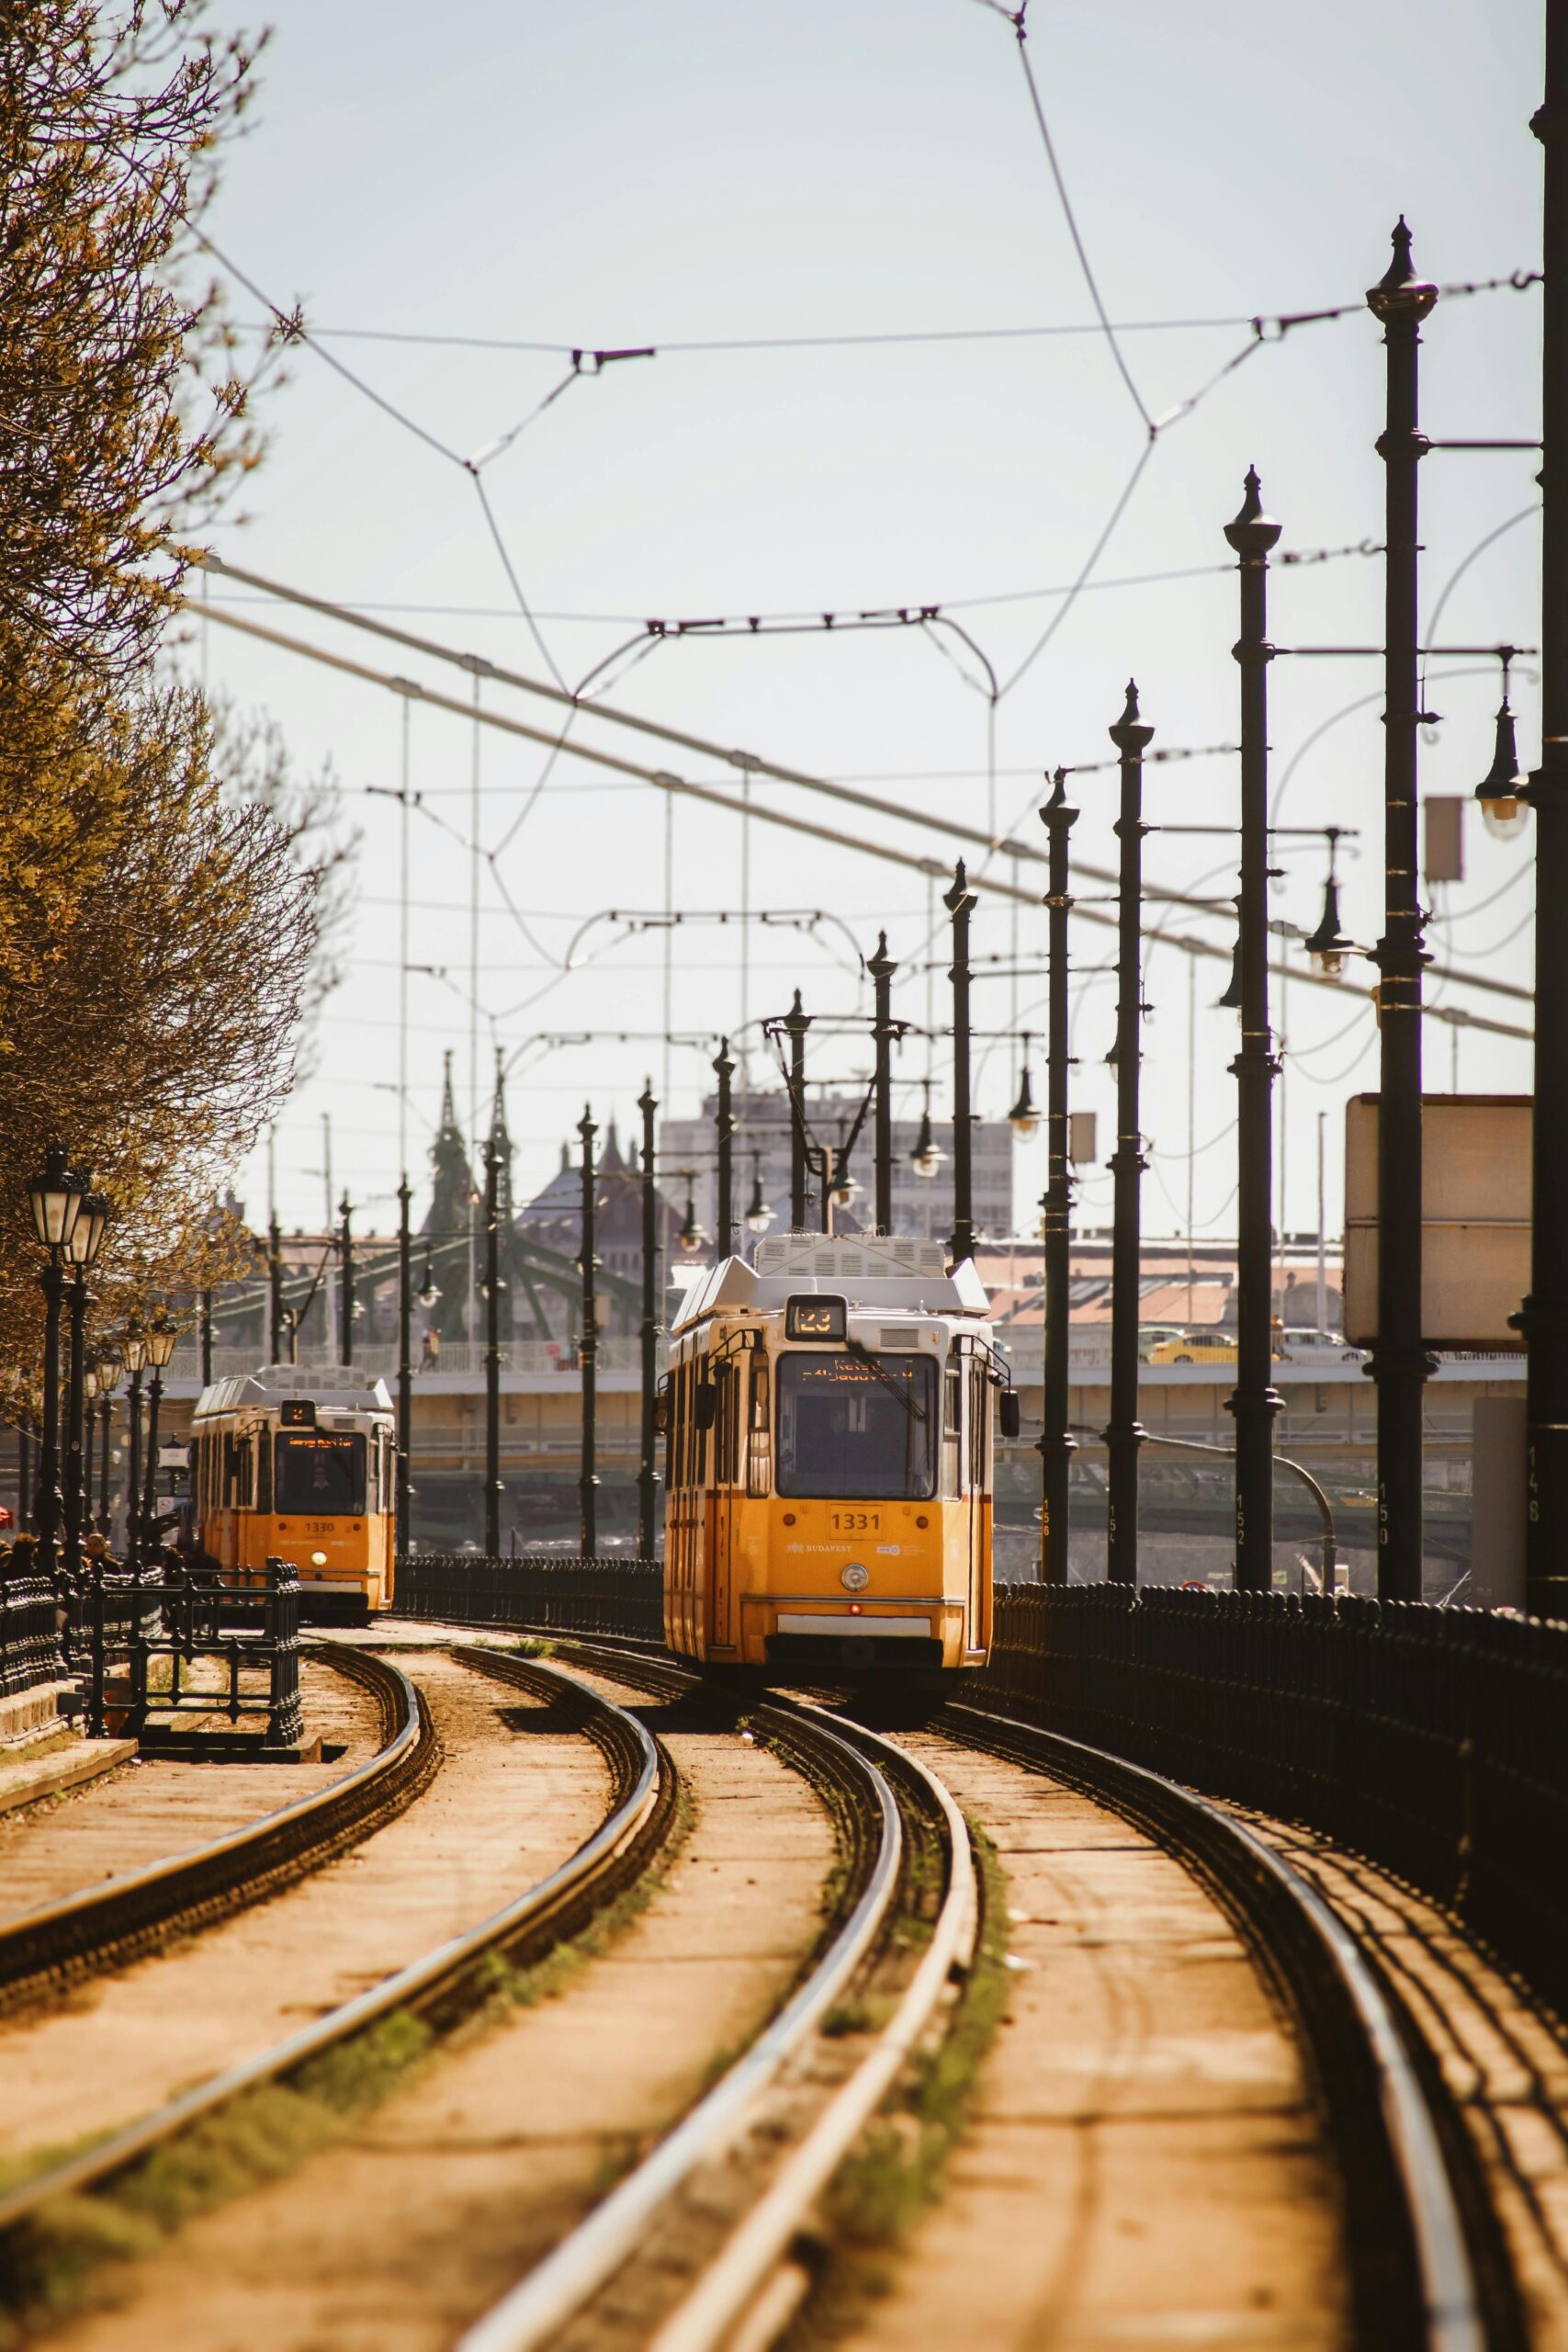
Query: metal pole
x=133 y=1471
x=796 y=1025
x=1058 y=1444
x=275 y=1290
x=587 y=1349
x=1543 y=1317
x=24 y=1479
x=492 y=1358
x=882 y=969
x=403 y=1529
x=50 y=1502
x=345 y=1293
x=959 y=901
x=1400 y=1363
x=1124 y=1432
x=207 y=1337
x=648 y=1474
x=724 y=1124
x=76 y=1411
x=149 y=1545
x=106 y=1406
x=1255 y=1401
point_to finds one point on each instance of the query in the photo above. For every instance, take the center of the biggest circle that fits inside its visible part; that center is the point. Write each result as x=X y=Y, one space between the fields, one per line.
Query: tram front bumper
x=841 y=1641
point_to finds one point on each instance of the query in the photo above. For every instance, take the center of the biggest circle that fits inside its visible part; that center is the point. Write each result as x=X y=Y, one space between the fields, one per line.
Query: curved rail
x=575 y=2269
x=1412 y=2279
x=582 y=2263
x=633 y=1826
x=104 y=1927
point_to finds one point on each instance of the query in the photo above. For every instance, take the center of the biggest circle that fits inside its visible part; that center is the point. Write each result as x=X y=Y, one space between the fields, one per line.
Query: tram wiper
x=858 y=1348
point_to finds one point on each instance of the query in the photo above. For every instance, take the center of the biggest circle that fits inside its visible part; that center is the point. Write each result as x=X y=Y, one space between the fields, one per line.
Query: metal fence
x=29 y=1634
x=572 y=1595
x=1433 y=1740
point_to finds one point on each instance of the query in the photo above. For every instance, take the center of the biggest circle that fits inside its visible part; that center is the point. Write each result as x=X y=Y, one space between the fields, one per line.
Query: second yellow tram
x=829 y=1414
x=298 y=1464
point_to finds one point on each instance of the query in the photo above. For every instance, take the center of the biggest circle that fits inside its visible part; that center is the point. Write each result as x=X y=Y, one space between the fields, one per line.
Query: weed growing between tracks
x=879 y=2191
x=64 y=2256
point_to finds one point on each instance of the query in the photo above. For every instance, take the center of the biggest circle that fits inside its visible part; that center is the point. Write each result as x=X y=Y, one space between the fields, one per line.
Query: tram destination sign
x=1475 y=1219
x=815 y=1318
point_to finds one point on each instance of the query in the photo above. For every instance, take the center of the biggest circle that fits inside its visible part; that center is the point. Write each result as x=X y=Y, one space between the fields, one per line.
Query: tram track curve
x=1422 y=2259
x=737 y=2272
x=440 y=1987
x=44 y=1952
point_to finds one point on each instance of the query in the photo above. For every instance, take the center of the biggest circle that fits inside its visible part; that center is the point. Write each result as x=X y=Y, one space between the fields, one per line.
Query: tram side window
x=952 y=1396
x=725 y=1429
x=264 y=1471
x=979 y=1425
x=758 y=1466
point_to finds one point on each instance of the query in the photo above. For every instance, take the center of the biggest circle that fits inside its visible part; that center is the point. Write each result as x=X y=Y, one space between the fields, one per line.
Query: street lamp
x=82 y=1251
x=928 y=1154
x=161 y=1339
x=55 y=1196
x=133 y=1353
x=106 y=1379
x=1024 y=1117
x=759 y=1215
x=691 y=1236
x=647 y=1466
x=1505 y=811
x=587 y=1349
x=1124 y=1432
x=428 y=1293
x=1328 y=945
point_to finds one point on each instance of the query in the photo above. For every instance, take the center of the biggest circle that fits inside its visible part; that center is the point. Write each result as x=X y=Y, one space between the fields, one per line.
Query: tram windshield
x=857 y=1424
x=321 y=1476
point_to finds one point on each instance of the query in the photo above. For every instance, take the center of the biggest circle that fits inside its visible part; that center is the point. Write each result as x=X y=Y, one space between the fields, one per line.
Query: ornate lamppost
x=405 y=1367
x=493 y=1353
x=133 y=1351
x=588 y=1349
x=1400 y=1363
x=1124 y=1432
x=55 y=1197
x=648 y=1469
x=795 y=1026
x=884 y=1029
x=345 y=1295
x=82 y=1251
x=960 y=902
x=724 y=1128
x=159 y=1348
x=1058 y=1444
x=1255 y=1402
x=105 y=1378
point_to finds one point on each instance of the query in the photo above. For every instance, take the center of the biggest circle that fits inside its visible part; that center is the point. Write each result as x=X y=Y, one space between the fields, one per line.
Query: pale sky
x=609 y=176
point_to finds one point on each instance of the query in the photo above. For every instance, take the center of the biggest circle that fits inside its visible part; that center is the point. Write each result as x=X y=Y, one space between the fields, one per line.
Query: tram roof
x=872 y=1270
x=334 y=1385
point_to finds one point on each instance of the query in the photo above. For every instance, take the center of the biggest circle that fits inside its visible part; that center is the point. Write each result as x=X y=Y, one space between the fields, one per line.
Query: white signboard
x=1475 y=1218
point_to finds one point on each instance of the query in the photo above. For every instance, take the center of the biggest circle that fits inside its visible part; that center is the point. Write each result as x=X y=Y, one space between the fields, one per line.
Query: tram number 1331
x=855 y=1522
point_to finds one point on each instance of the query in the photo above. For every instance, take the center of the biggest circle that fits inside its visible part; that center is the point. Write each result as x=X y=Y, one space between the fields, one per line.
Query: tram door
x=977 y=1412
x=722 y=1503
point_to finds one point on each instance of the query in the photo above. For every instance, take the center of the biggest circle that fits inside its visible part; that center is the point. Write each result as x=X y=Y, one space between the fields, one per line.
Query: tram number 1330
x=855 y=1522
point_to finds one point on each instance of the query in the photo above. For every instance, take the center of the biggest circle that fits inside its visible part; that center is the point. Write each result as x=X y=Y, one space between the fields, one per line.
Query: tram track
x=697 y=2238
x=440 y=1987
x=1416 y=2223
x=46 y=1951
x=1420 y=2241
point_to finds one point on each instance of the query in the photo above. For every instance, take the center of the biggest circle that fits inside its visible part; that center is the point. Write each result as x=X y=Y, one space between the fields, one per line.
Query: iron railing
x=29 y=1634
x=572 y=1595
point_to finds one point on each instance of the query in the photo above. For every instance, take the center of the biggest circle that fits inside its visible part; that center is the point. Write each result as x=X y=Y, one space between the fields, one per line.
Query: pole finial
x=1250 y=531
x=1131 y=733
x=1399 y=292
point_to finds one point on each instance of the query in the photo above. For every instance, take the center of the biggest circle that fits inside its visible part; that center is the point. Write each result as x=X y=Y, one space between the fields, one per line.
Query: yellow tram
x=300 y=1464
x=829 y=1461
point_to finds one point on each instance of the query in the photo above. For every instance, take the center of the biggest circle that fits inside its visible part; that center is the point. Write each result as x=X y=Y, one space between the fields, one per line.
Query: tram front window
x=857 y=1425
x=321 y=1476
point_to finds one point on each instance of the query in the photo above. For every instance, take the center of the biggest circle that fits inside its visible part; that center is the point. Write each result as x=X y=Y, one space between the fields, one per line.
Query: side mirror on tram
x=1010 y=1412
x=706 y=1410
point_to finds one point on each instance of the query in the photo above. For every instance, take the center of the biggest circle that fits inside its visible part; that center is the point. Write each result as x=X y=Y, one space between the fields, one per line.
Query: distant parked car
x=1196 y=1347
x=1302 y=1343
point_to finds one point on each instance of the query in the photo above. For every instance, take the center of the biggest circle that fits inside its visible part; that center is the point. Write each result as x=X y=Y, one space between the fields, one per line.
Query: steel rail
x=635 y=1824
x=575 y=2269
x=746 y=2264
x=106 y=1926
x=1413 y=2281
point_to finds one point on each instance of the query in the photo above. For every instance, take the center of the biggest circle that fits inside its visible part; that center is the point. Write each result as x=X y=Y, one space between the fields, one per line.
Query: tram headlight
x=318 y=1559
x=854 y=1578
